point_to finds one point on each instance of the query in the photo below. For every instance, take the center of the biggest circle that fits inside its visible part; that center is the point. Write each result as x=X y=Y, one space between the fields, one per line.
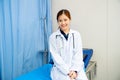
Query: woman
x=66 y=50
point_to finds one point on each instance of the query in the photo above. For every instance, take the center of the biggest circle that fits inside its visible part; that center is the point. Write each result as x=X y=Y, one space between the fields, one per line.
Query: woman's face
x=63 y=22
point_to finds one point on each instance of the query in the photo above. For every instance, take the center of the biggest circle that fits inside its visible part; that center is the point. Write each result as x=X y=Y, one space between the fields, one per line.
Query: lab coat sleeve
x=77 y=60
x=58 y=61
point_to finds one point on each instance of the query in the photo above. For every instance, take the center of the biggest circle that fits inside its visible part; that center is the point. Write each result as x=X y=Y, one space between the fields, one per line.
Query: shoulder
x=53 y=35
x=75 y=32
x=77 y=35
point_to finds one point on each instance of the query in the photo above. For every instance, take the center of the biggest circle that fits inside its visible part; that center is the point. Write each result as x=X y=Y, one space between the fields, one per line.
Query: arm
x=58 y=61
x=77 y=61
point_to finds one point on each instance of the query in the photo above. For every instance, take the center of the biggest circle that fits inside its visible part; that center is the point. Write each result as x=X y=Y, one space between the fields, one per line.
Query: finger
x=71 y=73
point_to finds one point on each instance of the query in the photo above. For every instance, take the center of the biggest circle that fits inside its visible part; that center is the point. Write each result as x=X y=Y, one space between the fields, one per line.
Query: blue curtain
x=25 y=26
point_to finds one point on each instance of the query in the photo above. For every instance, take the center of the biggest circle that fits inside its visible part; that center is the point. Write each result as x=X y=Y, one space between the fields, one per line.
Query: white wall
x=114 y=39
x=98 y=21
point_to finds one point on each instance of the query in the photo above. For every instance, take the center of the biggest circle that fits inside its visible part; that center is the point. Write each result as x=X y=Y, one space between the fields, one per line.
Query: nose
x=63 y=22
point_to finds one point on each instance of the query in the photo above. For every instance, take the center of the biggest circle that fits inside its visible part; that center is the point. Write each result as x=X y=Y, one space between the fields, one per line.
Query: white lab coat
x=67 y=55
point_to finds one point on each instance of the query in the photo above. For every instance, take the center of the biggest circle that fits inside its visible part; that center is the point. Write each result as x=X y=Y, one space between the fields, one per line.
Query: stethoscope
x=62 y=39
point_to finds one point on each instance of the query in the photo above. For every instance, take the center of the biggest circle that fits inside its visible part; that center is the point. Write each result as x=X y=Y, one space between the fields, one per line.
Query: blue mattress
x=43 y=73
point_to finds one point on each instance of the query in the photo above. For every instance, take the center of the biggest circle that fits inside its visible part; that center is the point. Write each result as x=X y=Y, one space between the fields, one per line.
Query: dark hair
x=64 y=11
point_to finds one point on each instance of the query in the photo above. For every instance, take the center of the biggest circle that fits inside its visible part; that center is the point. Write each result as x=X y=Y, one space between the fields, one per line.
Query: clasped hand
x=72 y=75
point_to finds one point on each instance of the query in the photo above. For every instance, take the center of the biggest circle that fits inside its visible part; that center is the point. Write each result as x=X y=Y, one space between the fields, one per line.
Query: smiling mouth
x=64 y=25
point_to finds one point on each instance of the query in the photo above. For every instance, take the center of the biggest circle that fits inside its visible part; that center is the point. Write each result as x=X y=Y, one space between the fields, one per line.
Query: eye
x=65 y=19
x=59 y=20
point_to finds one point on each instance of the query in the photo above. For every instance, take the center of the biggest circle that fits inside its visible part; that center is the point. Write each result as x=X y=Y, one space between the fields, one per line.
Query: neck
x=66 y=31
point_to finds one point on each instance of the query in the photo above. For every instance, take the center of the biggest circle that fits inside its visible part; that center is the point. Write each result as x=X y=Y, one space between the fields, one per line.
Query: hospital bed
x=43 y=72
